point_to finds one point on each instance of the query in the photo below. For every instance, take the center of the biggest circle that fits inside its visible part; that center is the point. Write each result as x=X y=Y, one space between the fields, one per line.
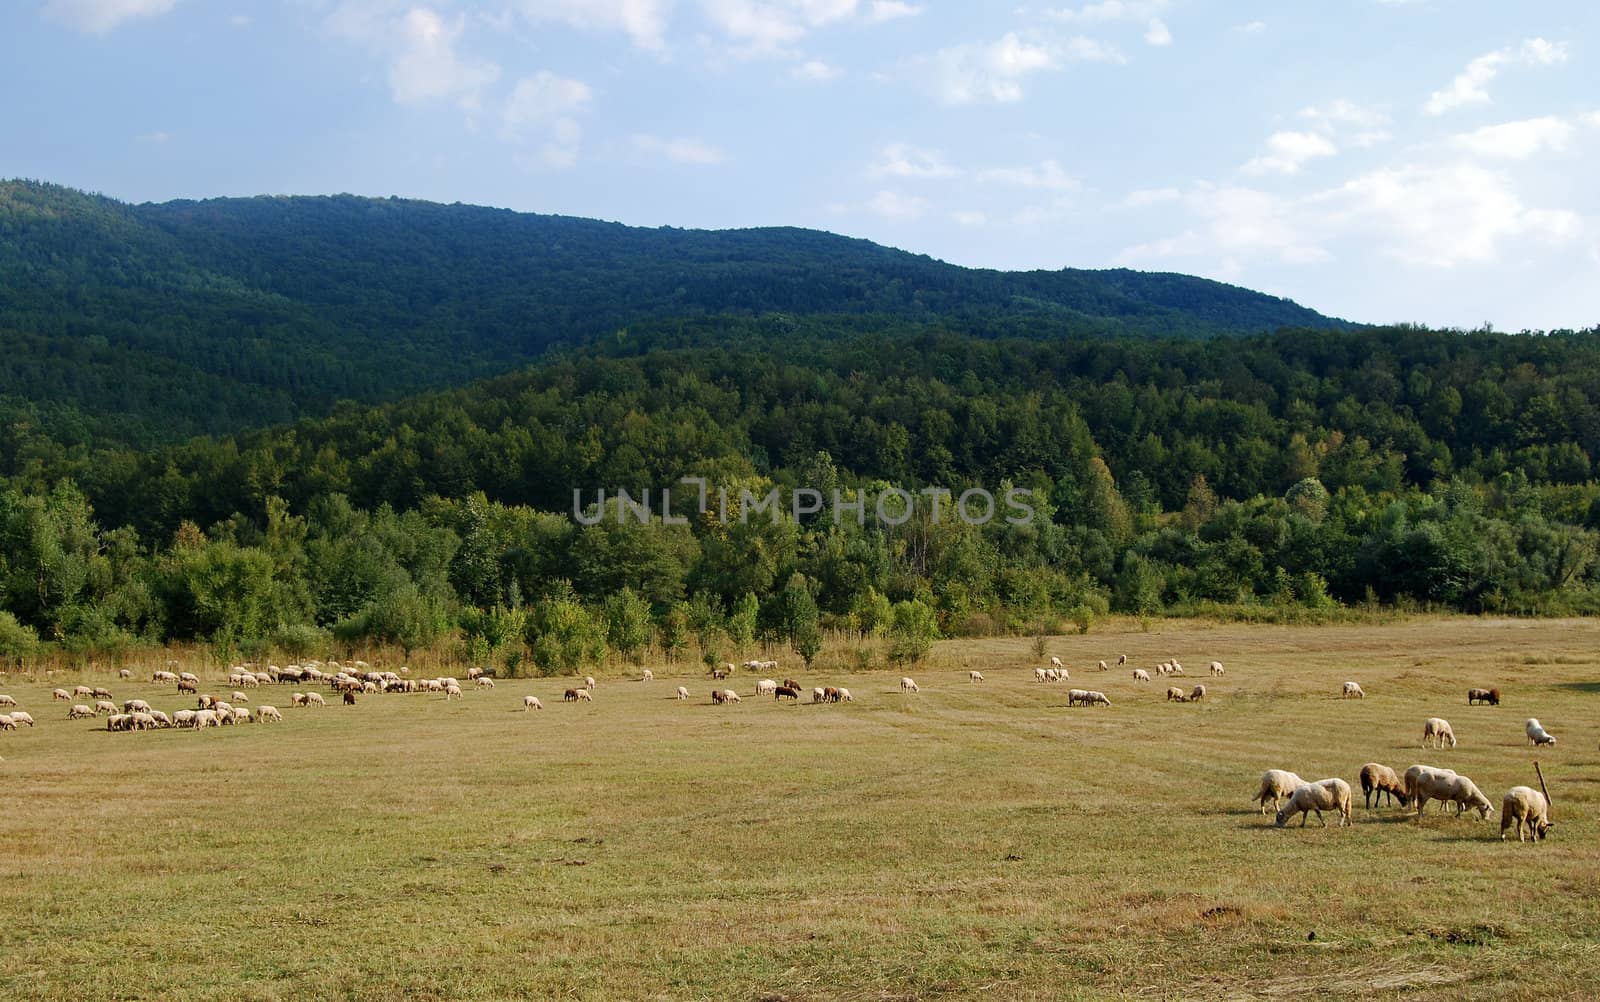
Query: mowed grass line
x=970 y=841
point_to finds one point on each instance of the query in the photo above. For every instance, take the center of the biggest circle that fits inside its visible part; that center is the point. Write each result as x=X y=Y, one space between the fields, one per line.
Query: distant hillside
x=150 y=323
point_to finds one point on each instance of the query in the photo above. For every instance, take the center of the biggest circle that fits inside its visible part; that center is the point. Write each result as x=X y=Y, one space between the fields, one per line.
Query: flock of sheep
x=1524 y=807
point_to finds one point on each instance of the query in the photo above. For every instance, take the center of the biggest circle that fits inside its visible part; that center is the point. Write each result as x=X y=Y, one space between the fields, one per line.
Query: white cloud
x=817 y=71
x=101 y=16
x=890 y=10
x=1156 y=33
x=241 y=20
x=1109 y=10
x=898 y=208
x=762 y=27
x=994 y=71
x=644 y=21
x=426 y=65
x=1470 y=85
x=1047 y=176
x=1440 y=217
x=1517 y=140
x=541 y=108
x=1289 y=151
x=1251 y=28
x=969 y=217
x=680 y=151
x=154 y=138
x=904 y=160
x=1342 y=112
x=1423 y=216
x=1592 y=118
x=1143 y=197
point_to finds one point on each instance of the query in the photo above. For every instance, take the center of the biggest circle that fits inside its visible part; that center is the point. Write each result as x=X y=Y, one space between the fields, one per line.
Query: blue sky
x=1382 y=160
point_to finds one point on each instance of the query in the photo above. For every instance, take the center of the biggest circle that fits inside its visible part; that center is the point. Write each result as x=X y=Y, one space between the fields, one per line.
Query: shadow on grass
x=1579 y=686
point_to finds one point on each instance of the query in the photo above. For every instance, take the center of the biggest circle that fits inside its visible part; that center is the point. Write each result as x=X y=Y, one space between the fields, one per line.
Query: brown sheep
x=1490 y=696
x=1378 y=780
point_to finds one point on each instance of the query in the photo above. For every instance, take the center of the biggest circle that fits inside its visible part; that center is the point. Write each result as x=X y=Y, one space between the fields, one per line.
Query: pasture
x=967 y=841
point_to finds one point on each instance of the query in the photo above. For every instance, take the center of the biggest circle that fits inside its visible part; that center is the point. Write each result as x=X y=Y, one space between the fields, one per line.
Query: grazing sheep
x=1525 y=804
x=1536 y=732
x=1436 y=731
x=206 y=718
x=683 y=692
x=531 y=703
x=238 y=697
x=584 y=697
x=588 y=681
x=104 y=706
x=124 y=673
x=135 y=706
x=1101 y=667
x=315 y=699
x=82 y=690
x=297 y=699
x=485 y=682
x=161 y=719
x=1419 y=776
x=570 y=696
x=184 y=685
x=1140 y=675
x=115 y=722
x=79 y=711
x=7 y=700
x=717 y=696
x=21 y=717
x=728 y=696
x=163 y=676
x=727 y=668
x=1175 y=695
x=753 y=665
x=1322 y=795
x=1197 y=694
x=1353 y=690
x=452 y=692
x=1490 y=696
x=784 y=692
x=1055 y=662
x=907 y=685
x=473 y=673
x=1452 y=789
x=649 y=676
x=1122 y=659
x=1052 y=675
x=1177 y=669
x=1038 y=675
x=1378 y=780
x=1276 y=783
x=102 y=693
x=1216 y=668
x=819 y=694
x=845 y=697
x=830 y=695
x=1088 y=697
x=975 y=676
x=61 y=694
x=766 y=687
x=269 y=713
x=349 y=698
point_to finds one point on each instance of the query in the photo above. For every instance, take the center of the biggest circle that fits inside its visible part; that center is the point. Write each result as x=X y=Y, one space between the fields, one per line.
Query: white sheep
x=1140 y=675
x=1086 y=697
x=1322 y=795
x=163 y=676
x=1197 y=694
x=104 y=706
x=1122 y=659
x=649 y=676
x=1426 y=784
x=1277 y=783
x=531 y=703
x=975 y=676
x=1536 y=732
x=845 y=697
x=79 y=711
x=241 y=715
x=297 y=699
x=1055 y=662
x=183 y=718
x=583 y=696
x=135 y=706
x=1525 y=804
x=124 y=673
x=683 y=692
x=1216 y=668
x=1436 y=731
x=766 y=687
x=729 y=696
x=819 y=694
x=315 y=698
x=450 y=691
x=238 y=697
x=21 y=717
x=6 y=723
x=1353 y=690
x=7 y=700
x=907 y=685
x=588 y=681
x=1038 y=676
x=61 y=694
x=485 y=682
x=1102 y=667
x=1175 y=695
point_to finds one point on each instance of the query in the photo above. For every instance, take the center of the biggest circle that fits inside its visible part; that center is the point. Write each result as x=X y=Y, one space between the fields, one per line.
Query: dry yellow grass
x=970 y=841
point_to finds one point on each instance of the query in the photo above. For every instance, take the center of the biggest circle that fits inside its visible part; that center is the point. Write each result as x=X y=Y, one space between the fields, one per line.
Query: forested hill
x=150 y=323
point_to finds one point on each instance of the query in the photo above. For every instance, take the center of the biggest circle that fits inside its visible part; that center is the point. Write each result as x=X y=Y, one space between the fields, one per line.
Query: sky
x=1425 y=161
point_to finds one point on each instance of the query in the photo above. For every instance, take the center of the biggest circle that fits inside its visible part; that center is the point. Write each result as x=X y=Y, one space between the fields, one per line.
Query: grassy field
x=969 y=841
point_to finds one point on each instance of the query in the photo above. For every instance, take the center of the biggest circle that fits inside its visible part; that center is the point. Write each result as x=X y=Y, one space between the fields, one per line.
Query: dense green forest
x=1285 y=474
x=148 y=324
